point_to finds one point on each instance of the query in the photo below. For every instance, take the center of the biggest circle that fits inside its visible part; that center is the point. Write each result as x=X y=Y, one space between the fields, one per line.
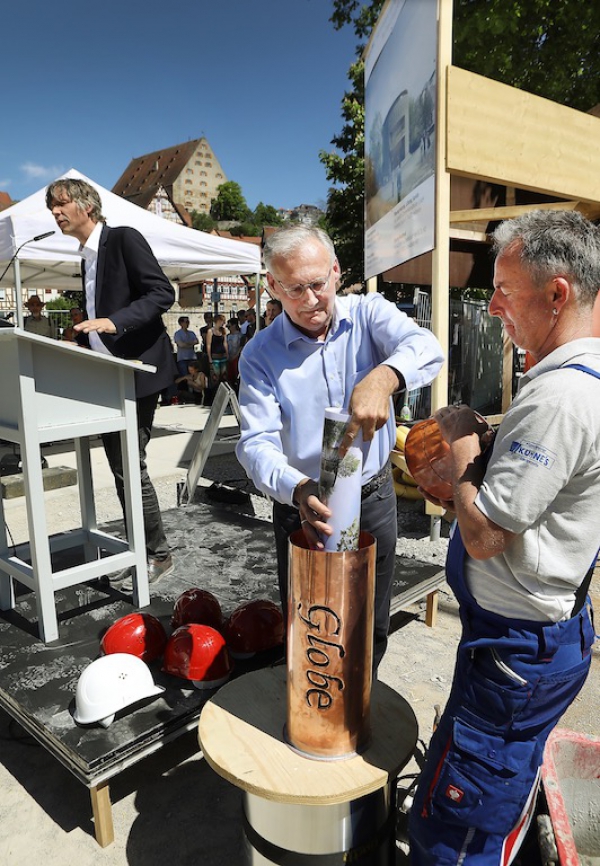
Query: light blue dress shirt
x=288 y=379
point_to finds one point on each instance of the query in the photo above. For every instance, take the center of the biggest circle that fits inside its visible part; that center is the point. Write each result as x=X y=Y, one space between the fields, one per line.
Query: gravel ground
x=172 y=805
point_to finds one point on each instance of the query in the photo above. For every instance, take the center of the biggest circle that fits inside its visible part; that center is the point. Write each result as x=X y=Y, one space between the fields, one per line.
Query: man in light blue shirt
x=186 y=342
x=351 y=352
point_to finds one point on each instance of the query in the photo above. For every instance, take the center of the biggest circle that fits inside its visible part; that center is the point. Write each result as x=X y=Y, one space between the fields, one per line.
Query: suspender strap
x=583 y=369
x=582 y=590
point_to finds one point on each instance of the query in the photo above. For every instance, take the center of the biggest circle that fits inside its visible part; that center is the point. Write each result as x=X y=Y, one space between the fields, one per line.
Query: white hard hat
x=110 y=684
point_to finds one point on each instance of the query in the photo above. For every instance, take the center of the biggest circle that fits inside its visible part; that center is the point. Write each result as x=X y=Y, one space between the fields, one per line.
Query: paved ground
x=172 y=806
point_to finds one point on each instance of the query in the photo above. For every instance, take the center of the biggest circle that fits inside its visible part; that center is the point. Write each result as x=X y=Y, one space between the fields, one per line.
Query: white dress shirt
x=89 y=252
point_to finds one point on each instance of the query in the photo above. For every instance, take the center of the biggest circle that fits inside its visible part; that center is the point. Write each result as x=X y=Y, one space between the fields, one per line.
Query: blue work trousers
x=513 y=681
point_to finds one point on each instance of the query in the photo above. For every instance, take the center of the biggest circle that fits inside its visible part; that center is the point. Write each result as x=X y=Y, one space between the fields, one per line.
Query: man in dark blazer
x=126 y=293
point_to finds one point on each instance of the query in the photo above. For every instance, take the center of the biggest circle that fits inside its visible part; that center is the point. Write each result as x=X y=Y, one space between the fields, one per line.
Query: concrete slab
x=54 y=478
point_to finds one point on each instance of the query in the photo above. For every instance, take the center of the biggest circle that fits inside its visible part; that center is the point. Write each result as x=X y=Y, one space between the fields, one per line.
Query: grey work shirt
x=543 y=483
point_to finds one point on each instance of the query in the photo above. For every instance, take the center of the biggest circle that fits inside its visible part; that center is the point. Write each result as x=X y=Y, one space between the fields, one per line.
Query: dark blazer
x=133 y=292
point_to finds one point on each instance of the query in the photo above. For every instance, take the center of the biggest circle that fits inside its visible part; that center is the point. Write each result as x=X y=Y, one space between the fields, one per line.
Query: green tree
x=230 y=203
x=248 y=229
x=250 y=224
x=203 y=222
x=345 y=202
x=64 y=302
x=266 y=215
x=547 y=47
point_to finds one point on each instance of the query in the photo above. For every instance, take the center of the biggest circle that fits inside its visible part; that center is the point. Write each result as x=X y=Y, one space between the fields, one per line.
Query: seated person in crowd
x=69 y=334
x=191 y=387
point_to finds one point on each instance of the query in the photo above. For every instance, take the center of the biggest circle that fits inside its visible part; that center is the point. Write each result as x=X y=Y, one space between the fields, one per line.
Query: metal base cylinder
x=360 y=832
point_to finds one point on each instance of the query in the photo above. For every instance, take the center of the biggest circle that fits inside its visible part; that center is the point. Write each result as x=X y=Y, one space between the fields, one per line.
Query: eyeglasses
x=317 y=287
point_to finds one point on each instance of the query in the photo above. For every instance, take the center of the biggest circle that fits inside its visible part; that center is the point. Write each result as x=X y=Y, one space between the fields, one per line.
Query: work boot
x=157 y=568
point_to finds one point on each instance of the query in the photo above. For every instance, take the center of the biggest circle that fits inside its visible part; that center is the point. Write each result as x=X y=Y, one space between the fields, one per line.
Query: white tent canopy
x=54 y=262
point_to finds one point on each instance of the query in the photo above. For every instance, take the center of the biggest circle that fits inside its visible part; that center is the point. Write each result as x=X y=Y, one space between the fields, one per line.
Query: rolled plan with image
x=340 y=482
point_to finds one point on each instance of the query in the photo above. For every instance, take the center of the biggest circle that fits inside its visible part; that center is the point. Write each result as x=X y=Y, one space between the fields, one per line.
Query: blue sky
x=91 y=86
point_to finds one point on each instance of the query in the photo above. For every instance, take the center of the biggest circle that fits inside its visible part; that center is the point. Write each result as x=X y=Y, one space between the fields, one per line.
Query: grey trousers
x=156 y=540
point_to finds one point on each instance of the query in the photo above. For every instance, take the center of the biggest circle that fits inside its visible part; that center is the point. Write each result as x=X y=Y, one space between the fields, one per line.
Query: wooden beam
x=508 y=136
x=469 y=235
x=490 y=214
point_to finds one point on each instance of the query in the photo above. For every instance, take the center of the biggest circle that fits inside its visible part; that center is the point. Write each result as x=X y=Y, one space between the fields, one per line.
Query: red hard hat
x=198 y=653
x=254 y=626
x=139 y=634
x=199 y=606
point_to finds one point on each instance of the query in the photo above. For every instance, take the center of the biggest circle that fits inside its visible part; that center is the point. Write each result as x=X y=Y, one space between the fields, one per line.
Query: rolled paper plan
x=340 y=482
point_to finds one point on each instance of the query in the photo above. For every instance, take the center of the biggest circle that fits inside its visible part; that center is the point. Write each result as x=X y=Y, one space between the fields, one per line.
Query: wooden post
x=440 y=278
x=102 y=812
x=507 y=371
x=431 y=609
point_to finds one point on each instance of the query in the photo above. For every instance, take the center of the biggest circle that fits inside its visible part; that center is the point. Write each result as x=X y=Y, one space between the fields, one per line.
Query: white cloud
x=41 y=172
x=4 y=183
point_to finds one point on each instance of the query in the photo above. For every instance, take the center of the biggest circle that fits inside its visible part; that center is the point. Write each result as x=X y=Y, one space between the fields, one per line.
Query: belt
x=376 y=481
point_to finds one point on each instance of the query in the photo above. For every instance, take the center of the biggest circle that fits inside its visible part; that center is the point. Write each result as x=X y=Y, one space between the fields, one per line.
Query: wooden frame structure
x=500 y=134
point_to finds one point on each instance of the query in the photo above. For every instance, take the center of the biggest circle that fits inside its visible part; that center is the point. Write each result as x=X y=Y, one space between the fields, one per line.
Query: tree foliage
x=230 y=203
x=548 y=47
x=203 y=222
x=64 y=302
x=266 y=215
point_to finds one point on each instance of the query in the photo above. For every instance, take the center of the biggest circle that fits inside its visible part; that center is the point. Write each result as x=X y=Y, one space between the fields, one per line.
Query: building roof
x=144 y=175
x=248 y=239
x=5 y=200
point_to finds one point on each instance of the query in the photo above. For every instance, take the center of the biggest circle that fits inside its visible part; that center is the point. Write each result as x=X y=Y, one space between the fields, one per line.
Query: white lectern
x=49 y=392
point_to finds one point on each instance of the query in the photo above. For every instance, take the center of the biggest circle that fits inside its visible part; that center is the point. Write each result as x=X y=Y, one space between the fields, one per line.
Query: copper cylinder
x=330 y=648
x=428 y=457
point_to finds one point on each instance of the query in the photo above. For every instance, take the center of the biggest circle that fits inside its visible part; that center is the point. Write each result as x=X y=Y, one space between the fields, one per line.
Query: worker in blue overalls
x=526 y=532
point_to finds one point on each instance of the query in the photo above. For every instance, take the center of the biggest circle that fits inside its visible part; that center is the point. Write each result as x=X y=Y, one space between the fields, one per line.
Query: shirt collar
x=291 y=333
x=567 y=353
x=89 y=250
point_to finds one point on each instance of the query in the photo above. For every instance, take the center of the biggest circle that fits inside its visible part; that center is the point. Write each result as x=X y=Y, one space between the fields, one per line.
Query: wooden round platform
x=241 y=735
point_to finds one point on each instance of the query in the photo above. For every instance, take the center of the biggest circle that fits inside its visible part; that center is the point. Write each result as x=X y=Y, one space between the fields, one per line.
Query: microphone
x=36 y=238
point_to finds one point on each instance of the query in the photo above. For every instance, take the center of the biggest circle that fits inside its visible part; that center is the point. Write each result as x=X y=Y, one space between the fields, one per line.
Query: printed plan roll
x=340 y=482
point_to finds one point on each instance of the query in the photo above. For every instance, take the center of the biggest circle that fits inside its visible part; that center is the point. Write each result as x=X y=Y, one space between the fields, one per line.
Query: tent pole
x=257 y=296
x=18 y=296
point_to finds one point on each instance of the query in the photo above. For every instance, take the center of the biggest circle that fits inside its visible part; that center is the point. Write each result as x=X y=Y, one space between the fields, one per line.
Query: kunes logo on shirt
x=533 y=453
